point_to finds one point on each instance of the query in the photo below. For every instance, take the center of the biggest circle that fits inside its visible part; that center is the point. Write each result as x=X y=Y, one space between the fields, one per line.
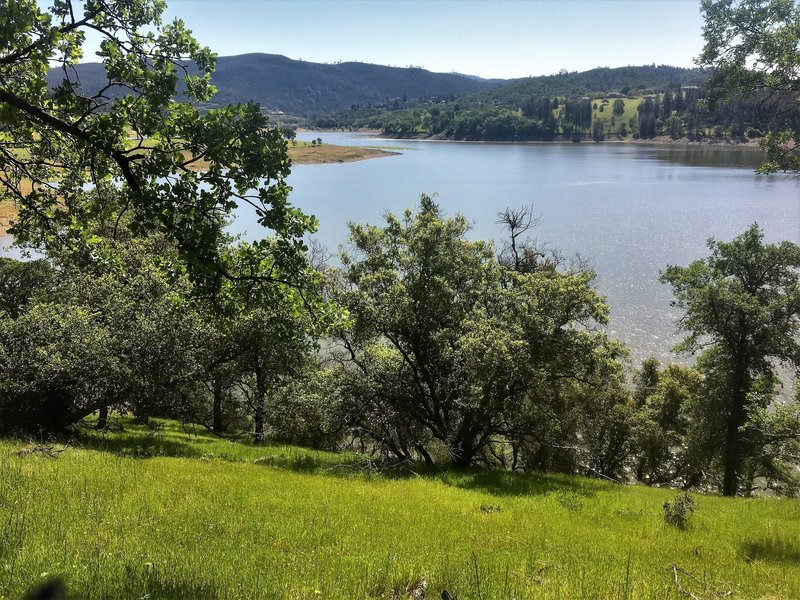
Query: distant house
x=689 y=87
x=615 y=95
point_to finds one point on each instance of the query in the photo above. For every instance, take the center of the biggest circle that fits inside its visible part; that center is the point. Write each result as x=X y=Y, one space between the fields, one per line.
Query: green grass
x=630 y=112
x=183 y=514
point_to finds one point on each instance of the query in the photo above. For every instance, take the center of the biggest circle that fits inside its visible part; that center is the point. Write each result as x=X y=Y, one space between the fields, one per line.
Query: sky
x=488 y=38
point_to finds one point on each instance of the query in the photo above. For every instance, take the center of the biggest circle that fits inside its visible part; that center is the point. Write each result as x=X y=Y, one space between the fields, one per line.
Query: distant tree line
x=687 y=112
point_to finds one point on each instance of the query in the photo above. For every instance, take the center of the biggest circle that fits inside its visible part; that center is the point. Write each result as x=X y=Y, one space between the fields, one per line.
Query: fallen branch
x=676 y=569
x=48 y=451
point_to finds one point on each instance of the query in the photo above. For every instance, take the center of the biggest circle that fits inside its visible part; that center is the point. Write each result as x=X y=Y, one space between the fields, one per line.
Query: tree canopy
x=452 y=349
x=742 y=309
x=754 y=45
x=139 y=153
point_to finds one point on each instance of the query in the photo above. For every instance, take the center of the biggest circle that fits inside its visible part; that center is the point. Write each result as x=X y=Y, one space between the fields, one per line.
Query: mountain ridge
x=310 y=89
x=307 y=88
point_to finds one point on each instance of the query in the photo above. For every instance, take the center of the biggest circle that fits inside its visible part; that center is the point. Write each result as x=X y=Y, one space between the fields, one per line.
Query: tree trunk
x=732 y=459
x=260 y=409
x=514 y=456
x=461 y=456
x=424 y=454
x=258 y=420
x=102 y=418
x=217 y=426
x=394 y=448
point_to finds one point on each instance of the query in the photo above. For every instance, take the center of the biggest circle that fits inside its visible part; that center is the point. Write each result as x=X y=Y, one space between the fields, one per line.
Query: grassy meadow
x=180 y=513
x=631 y=105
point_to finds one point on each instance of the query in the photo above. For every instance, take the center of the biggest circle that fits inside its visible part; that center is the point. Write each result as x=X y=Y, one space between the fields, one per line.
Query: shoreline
x=664 y=140
x=301 y=154
x=659 y=141
x=332 y=153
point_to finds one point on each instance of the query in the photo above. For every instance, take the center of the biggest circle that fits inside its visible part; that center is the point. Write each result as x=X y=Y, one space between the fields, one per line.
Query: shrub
x=678 y=512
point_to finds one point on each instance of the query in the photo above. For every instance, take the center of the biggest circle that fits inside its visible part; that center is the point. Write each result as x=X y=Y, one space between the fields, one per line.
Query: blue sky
x=488 y=38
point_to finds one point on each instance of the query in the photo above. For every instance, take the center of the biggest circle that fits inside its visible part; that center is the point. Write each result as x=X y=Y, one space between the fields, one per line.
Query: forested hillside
x=630 y=79
x=512 y=95
x=600 y=104
x=306 y=88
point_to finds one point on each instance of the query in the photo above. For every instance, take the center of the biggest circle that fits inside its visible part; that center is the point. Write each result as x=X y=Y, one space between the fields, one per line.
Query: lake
x=631 y=209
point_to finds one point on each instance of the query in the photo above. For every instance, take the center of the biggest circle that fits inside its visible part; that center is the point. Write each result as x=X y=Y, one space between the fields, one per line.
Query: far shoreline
x=307 y=154
x=304 y=153
x=301 y=153
x=664 y=140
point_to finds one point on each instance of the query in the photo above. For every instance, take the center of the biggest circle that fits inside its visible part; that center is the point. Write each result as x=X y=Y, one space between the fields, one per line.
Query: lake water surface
x=630 y=209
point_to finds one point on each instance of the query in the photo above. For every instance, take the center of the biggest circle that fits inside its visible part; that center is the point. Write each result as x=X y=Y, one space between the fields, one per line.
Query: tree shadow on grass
x=297 y=463
x=138 y=442
x=495 y=482
x=771 y=550
x=134 y=585
x=509 y=483
x=141 y=446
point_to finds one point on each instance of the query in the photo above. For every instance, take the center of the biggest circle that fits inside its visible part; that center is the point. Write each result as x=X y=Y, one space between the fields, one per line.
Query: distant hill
x=557 y=106
x=310 y=89
x=307 y=88
x=514 y=93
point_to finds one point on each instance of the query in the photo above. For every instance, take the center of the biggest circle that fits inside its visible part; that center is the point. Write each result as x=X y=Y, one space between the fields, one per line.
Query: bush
x=309 y=411
x=53 y=368
x=678 y=512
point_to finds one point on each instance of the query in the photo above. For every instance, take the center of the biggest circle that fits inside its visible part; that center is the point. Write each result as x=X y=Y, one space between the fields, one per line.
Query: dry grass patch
x=305 y=154
x=8 y=208
x=301 y=154
x=328 y=153
x=8 y=212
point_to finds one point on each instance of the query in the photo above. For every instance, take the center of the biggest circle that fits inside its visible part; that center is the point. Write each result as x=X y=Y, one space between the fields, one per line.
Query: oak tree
x=140 y=152
x=754 y=46
x=742 y=309
x=449 y=347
